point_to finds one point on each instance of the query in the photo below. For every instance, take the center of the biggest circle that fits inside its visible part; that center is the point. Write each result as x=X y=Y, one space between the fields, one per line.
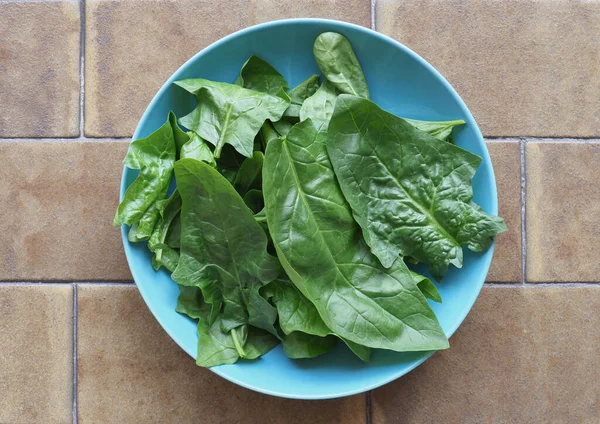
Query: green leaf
x=223 y=248
x=439 y=129
x=339 y=64
x=296 y=312
x=254 y=200
x=168 y=210
x=284 y=125
x=154 y=156
x=267 y=133
x=197 y=149
x=215 y=346
x=258 y=343
x=173 y=238
x=258 y=75
x=229 y=114
x=320 y=248
x=427 y=287
x=300 y=93
x=319 y=107
x=180 y=136
x=191 y=303
x=410 y=192
x=249 y=174
x=301 y=345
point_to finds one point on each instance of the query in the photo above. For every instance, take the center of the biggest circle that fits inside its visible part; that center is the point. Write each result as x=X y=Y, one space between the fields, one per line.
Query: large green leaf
x=321 y=249
x=339 y=64
x=223 y=248
x=410 y=192
x=230 y=114
x=154 y=156
x=259 y=75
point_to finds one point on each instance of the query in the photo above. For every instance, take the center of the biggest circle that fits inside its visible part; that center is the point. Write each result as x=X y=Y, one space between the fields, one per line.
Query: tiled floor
x=77 y=344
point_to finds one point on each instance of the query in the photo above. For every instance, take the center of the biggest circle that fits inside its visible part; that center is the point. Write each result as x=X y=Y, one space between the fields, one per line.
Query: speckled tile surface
x=77 y=343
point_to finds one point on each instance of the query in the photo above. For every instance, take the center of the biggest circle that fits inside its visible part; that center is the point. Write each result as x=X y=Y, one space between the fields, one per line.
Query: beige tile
x=523 y=355
x=563 y=210
x=39 y=68
x=36 y=354
x=132 y=47
x=525 y=67
x=130 y=371
x=506 y=159
x=57 y=202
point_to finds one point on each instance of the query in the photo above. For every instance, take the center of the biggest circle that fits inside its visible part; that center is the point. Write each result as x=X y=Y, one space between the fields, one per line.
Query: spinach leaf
x=230 y=114
x=223 y=248
x=427 y=287
x=339 y=64
x=258 y=343
x=249 y=174
x=319 y=107
x=180 y=136
x=254 y=200
x=439 y=129
x=320 y=247
x=296 y=312
x=299 y=345
x=168 y=209
x=154 y=156
x=410 y=192
x=191 y=303
x=197 y=149
x=284 y=125
x=173 y=237
x=298 y=315
x=267 y=133
x=300 y=93
x=258 y=75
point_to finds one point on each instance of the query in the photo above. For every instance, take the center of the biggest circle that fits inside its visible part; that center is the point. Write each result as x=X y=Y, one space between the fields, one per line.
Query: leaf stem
x=237 y=344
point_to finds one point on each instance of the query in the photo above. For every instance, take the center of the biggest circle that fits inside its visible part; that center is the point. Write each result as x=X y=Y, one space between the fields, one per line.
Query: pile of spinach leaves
x=295 y=210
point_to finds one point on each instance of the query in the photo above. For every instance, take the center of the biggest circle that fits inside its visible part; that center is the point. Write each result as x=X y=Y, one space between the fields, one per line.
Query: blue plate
x=400 y=81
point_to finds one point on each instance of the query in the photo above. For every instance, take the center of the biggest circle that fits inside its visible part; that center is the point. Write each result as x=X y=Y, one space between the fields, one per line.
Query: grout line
x=81 y=65
x=67 y=140
x=523 y=215
x=373 y=4
x=75 y=313
x=107 y=284
x=544 y=139
x=64 y=283
x=368 y=407
x=31 y=283
x=546 y=285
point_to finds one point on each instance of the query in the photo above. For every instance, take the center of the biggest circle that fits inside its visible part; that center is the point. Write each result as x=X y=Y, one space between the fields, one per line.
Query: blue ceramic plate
x=399 y=81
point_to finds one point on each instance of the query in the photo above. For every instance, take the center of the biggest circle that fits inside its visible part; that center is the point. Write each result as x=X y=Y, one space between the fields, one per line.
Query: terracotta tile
x=563 y=206
x=130 y=46
x=523 y=355
x=36 y=354
x=525 y=67
x=39 y=68
x=57 y=202
x=506 y=159
x=143 y=376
